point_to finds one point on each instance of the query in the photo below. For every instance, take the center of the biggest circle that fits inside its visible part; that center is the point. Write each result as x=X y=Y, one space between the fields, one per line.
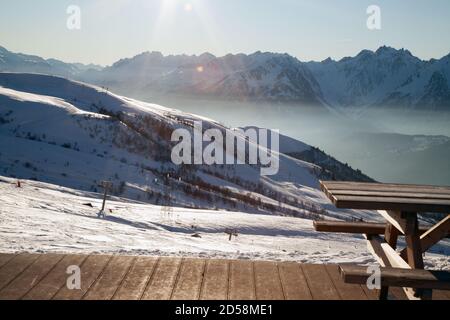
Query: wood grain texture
x=135 y=281
x=267 y=288
x=55 y=279
x=163 y=279
x=358 y=227
x=24 y=282
x=294 y=282
x=91 y=269
x=215 y=282
x=5 y=258
x=14 y=267
x=242 y=281
x=190 y=279
x=397 y=197
x=109 y=281
x=399 y=277
x=395 y=204
x=391 y=194
x=383 y=187
x=320 y=283
x=412 y=239
x=346 y=291
x=44 y=277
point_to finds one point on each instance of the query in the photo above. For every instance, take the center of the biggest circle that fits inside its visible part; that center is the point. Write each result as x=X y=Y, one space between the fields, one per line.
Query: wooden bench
x=356 y=227
x=397 y=277
x=399 y=205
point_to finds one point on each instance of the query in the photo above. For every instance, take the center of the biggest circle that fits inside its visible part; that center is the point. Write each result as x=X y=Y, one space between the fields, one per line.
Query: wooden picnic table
x=399 y=204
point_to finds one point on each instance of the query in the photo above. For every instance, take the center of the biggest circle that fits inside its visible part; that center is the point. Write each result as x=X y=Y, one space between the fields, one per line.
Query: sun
x=195 y=12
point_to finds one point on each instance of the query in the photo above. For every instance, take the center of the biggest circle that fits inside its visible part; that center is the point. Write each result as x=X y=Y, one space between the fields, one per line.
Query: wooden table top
x=388 y=196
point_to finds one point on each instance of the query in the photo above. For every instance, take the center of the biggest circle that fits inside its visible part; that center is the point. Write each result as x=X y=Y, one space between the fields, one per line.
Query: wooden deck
x=43 y=277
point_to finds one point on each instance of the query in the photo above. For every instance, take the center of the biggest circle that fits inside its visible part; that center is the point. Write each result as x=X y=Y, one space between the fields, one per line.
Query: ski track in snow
x=45 y=218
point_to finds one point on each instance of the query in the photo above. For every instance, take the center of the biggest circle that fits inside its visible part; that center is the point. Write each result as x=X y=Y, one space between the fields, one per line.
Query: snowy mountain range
x=19 y=62
x=386 y=77
x=76 y=135
x=259 y=76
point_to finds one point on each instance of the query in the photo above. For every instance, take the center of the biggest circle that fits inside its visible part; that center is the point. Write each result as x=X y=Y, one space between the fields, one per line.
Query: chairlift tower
x=167 y=208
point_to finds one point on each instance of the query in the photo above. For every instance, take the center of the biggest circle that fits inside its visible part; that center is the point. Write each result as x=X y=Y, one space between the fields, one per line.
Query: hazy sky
x=309 y=30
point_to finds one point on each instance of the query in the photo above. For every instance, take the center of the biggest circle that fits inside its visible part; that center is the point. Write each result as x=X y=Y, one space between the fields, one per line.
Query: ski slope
x=74 y=135
x=40 y=217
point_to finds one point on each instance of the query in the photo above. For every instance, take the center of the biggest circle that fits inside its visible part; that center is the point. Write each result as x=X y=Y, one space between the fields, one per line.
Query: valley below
x=395 y=145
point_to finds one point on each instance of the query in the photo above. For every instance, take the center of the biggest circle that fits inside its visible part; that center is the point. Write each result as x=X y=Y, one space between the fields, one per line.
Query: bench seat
x=397 y=277
x=356 y=227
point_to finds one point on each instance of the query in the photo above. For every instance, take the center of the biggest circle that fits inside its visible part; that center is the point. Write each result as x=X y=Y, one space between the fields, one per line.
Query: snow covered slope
x=40 y=217
x=75 y=135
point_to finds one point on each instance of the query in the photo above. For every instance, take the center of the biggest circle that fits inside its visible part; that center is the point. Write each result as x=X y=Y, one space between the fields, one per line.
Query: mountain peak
x=385 y=49
x=364 y=53
x=3 y=50
x=327 y=60
x=206 y=56
x=153 y=54
x=390 y=50
x=446 y=57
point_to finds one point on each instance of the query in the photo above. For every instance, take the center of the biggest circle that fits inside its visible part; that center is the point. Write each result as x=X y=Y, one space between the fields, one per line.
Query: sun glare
x=171 y=15
x=200 y=69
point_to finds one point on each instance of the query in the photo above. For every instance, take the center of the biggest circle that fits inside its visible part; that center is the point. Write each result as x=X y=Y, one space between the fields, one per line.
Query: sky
x=309 y=30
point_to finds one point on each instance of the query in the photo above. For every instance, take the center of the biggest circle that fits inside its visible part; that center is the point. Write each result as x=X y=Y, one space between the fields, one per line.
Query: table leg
x=412 y=238
x=435 y=234
x=414 y=250
x=391 y=237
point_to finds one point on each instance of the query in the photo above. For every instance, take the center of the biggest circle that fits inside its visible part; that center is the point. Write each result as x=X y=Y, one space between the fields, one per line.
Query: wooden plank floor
x=43 y=277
